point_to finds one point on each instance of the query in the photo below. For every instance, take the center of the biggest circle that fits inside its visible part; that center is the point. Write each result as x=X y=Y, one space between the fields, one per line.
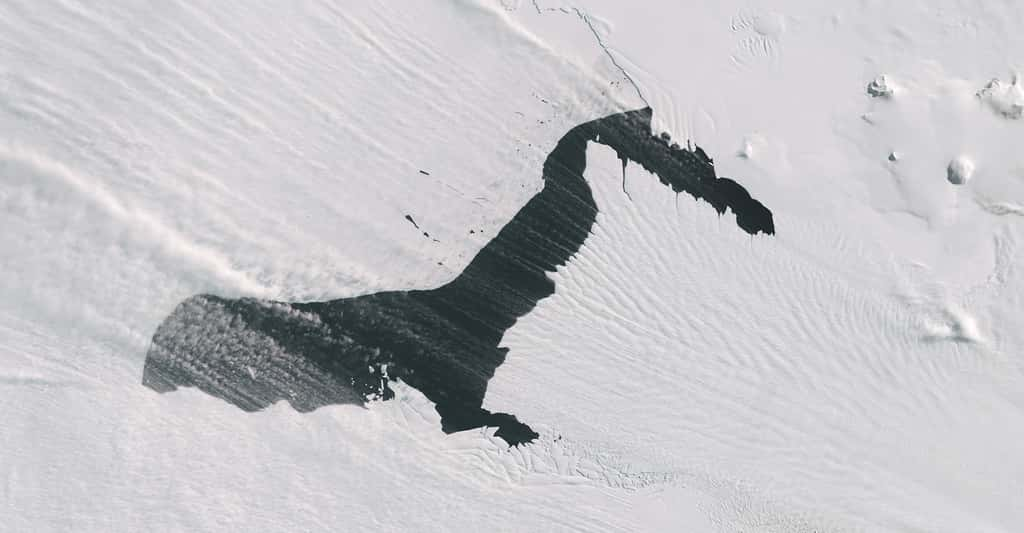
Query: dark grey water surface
x=443 y=341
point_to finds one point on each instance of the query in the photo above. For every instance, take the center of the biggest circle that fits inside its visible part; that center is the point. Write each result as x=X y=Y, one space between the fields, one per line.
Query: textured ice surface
x=859 y=371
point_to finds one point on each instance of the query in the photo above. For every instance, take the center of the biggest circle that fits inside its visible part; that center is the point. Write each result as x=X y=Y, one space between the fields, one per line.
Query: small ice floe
x=1006 y=99
x=881 y=87
x=960 y=170
x=953 y=324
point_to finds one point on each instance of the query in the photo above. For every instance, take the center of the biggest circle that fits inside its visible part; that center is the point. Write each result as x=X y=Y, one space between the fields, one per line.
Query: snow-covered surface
x=859 y=371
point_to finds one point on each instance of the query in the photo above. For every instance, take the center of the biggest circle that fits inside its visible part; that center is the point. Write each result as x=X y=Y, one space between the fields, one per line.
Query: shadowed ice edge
x=443 y=341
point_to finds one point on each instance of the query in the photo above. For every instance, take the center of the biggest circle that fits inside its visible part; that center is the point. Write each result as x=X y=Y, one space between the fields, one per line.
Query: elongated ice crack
x=600 y=42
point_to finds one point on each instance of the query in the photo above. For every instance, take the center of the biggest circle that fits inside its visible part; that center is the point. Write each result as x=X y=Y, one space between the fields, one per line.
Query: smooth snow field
x=849 y=359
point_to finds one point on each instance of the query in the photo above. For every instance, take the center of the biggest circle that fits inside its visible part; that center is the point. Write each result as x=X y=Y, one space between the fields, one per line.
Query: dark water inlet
x=443 y=341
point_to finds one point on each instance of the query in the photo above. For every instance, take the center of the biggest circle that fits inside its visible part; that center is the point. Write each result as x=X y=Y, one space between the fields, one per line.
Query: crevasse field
x=860 y=370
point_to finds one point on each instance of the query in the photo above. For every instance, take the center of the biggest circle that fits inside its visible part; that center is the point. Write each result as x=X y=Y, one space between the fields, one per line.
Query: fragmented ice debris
x=880 y=87
x=1007 y=99
x=960 y=170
